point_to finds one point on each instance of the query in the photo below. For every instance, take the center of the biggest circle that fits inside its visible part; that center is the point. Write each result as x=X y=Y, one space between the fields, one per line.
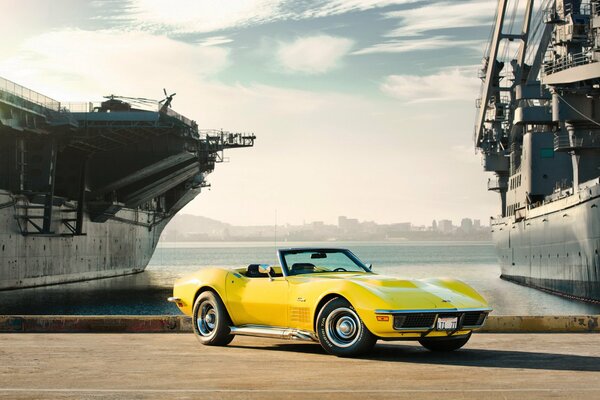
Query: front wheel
x=445 y=344
x=211 y=321
x=341 y=331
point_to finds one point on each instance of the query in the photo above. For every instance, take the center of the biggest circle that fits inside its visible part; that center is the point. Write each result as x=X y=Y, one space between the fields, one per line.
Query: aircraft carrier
x=86 y=189
x=538 y=129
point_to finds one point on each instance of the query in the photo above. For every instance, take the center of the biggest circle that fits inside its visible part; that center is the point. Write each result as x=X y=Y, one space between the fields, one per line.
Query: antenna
x=275 y=229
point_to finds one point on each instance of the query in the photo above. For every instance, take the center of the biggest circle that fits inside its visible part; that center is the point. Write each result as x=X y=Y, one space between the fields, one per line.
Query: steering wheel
x=340 y=269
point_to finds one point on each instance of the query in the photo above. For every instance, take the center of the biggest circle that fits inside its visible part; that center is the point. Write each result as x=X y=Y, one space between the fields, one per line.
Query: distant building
x=347 y=224
x=369 y=227
x=401 y=227
x=476 y=223
x=434 y=225
x=445 y=225
x=466 y=225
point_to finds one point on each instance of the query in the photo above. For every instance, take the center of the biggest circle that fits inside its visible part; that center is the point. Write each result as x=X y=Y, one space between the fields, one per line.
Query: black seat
x=302 y=268
x=253 y=272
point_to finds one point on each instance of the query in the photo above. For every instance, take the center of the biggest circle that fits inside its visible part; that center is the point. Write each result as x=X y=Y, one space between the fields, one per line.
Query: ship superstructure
x=86 y=189
x=538 y=129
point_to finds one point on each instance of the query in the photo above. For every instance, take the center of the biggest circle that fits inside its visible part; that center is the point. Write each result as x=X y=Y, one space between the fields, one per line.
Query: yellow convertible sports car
x=329 y=296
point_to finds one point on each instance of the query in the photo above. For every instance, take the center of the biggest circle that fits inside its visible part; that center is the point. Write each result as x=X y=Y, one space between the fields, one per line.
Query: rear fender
x=189 y=288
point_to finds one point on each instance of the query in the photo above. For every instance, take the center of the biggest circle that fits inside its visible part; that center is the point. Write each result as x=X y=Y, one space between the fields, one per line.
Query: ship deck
x=176 y=366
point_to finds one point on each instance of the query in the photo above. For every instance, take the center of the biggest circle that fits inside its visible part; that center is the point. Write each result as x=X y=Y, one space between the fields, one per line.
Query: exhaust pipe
x=274 y=333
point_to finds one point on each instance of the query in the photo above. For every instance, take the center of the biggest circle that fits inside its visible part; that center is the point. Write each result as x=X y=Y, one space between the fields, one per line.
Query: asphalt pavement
x=176 y=366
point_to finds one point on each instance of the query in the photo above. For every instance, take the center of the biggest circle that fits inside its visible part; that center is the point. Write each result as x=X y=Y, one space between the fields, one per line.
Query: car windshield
x=321 y=260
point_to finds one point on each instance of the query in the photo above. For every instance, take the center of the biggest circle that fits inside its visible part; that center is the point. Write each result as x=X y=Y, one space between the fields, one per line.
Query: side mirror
x=370 y=266
x=265 y=269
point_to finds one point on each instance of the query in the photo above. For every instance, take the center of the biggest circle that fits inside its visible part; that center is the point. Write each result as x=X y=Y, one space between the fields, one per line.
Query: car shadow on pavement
x=466 y=357
x=294 y=347
x=487 y=358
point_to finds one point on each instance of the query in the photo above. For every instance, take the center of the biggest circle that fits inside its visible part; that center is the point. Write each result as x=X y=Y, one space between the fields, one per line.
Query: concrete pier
x=179 y=323
x=167 y=366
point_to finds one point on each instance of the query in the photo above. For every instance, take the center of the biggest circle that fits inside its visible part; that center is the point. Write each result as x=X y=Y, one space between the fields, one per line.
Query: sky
x=362 y=108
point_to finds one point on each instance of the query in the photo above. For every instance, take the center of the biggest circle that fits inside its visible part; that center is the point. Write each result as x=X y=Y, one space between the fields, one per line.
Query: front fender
x=364 y=300
x=459 y=287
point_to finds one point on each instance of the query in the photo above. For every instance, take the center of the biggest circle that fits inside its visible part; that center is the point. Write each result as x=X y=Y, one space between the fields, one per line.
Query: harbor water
x=146 y=293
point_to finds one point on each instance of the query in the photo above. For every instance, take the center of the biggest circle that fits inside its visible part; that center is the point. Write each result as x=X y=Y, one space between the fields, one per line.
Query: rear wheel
x=211 y=321
x=341 y=331
x=445 y=344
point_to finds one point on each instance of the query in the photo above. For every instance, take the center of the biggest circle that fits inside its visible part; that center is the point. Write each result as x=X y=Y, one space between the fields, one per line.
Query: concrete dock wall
x=117 y=247
x=538 y=324
x=102 y=324
x=177 y=324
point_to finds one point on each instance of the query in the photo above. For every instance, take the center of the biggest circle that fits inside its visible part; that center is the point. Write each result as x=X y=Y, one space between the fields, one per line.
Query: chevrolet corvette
x=329 y=296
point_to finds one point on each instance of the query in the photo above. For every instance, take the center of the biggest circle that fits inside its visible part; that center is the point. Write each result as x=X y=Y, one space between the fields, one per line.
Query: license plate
x=447 y=323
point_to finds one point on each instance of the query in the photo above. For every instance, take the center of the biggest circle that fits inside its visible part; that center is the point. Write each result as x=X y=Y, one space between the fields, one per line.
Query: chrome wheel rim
x=206 y=320
x=343 y=327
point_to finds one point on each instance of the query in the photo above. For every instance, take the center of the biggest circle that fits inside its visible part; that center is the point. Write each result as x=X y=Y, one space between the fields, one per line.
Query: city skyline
x=197 y=228
x=360 y=107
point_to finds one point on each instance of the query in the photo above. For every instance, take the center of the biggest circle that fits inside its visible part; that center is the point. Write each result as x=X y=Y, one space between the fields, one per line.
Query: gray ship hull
x=85 y=194
x=555 y=246
x=537 y=128
x=120 y=246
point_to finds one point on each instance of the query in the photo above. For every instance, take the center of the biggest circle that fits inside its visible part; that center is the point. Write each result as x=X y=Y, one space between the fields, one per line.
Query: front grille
x=425 y=321
x=414 y=321
x=473 y=318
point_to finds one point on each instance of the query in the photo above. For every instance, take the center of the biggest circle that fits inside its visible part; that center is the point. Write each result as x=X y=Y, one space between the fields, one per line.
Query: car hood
x=415 y=294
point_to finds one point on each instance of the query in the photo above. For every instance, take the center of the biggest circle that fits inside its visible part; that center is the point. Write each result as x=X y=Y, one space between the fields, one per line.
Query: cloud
x=442 y=15
x=305 y=138
x=313 y=54
x=215 y=41
x=419 y=44
x=110 y=60
x=416 y=25
x=447 y=84
x=200 y=16
x=335 y=7
x=203 y=15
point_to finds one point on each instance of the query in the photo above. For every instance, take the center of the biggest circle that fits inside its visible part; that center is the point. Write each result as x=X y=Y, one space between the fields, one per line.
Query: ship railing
x=80 y=107
x=595 y=7
x=85 y=107
x=563 y=142
x=585 y=8
x=551 y=15
x=28 y=95
x=497 y=184
x=176 y=115
x=574 y=60
x=220 y=139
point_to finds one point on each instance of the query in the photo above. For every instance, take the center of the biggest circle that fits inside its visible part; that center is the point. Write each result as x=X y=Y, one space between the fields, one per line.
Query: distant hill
x=186 y=224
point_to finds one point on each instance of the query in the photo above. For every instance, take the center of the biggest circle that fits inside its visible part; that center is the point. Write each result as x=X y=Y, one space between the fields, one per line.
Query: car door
x=257 y=301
